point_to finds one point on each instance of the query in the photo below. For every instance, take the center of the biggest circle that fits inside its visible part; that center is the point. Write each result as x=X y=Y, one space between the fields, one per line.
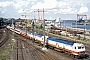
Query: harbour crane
x=42 y=10
x=85 y=16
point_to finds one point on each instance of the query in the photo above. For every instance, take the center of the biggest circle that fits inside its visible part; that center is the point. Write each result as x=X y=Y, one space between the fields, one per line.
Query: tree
x=1 y=21
x=41 y=26
x=33 y=24
x=79 y=37
x=33 y=31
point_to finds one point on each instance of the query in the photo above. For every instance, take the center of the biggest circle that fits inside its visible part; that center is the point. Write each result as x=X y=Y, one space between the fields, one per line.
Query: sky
x=54 y=9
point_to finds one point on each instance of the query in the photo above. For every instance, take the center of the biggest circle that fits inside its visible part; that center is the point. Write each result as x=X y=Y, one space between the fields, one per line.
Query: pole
x=60 y=22
x=38 y=20
x=84 y=31
x=76 y=26
x=35 y=23
x=26 y=29
x=44 y=30
x=13 y=30
x=54 y=22
x=26 y=24
x=33 y=33
x=12 y=37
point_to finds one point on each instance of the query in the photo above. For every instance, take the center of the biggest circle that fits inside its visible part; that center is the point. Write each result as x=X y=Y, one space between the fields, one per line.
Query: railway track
x=39 y=54
x=20 y=55
x=5 y=39
x=34 y=53
x=17 y=50
x=30 y=52
x=1 y=33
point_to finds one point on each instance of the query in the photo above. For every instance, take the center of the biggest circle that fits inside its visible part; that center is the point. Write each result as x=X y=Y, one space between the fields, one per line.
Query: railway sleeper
x=51 y=47
x=82 y=56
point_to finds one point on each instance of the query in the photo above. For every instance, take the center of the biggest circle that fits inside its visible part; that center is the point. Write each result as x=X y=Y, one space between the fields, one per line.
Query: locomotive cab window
x=79 y=47
x=82 y=47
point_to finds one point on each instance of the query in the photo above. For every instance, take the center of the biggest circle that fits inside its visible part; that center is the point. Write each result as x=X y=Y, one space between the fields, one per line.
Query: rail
x=5 y=39
x=38 y=54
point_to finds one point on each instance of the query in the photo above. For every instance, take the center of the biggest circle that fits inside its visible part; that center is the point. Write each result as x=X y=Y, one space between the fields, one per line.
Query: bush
x=79 y=37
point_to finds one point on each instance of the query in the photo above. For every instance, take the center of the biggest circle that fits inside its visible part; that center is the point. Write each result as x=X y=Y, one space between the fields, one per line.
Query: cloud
x=83 y=9
x=50 y=4
x=2 y=11
x=24 y=10
x=71 y=7
x=20 y=11
x=23 y=3
x=66 y=8
x=6 y=3
x=77 y=1
x=58 y=7
x=32 y=2
x=39 y=5
x=67 y=11
x=63 y=5
x=47 y=4
x=17 y=1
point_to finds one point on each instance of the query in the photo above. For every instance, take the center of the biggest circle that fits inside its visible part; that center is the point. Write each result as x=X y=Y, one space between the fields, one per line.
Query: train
x=74 y=48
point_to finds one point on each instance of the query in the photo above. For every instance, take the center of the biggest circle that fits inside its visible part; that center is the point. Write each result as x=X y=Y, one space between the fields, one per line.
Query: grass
x=5 y=54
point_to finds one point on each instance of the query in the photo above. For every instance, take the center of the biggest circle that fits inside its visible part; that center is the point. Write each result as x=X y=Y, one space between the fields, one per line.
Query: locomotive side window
x=42 y=38
x=75 y=47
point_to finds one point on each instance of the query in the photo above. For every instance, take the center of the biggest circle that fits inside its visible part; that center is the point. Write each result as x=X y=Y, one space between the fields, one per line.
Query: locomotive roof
x=37 y=35
x=62 y=41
